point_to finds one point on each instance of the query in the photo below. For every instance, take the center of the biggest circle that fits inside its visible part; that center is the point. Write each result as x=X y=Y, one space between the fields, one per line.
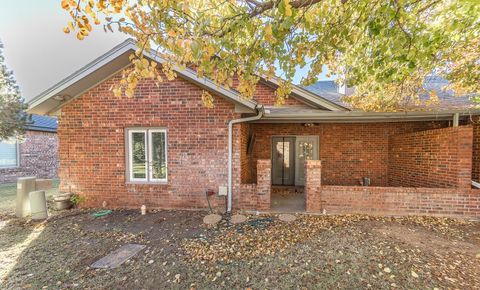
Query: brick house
x=164 y=149
x=36 y=155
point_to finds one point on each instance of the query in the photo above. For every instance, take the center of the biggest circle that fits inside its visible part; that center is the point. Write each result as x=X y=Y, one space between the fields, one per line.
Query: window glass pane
x=138 y=155
x=8 y=153
x=159 y=166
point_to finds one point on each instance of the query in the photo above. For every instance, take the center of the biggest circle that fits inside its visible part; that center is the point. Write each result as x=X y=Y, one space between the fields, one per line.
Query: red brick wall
x=265 y=95
x=313 y=182
x=453 y=202
x=257 y=196
x=245 y=158
x=348 y=151
x=432 y=158
x=38 y=157
x=92 y=145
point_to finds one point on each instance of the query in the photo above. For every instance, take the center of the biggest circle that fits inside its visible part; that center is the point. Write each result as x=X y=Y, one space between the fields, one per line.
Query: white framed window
x=9 y=156
x=147 y=155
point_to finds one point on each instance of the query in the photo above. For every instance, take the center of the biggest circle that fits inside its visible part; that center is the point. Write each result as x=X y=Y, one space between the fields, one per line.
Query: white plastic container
x=24 y=186
x=38 y=205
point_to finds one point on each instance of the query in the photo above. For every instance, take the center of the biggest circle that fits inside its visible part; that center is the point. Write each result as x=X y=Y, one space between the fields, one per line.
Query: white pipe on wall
x=456 y=118
x=230 y=146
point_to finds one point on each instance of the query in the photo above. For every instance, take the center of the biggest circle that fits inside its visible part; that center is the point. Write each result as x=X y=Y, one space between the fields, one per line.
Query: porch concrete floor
x=287 y=199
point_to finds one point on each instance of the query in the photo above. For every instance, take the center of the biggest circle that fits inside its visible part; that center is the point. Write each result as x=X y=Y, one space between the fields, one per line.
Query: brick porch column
x=264 y=182
x=465 y=139
x=313 y=184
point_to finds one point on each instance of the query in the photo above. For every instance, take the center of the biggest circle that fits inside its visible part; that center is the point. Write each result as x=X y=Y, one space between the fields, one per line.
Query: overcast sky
x=38 y=51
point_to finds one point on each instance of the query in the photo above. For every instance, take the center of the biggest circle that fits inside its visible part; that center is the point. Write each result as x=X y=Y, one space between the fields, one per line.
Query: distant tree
x=384 y=48
x=12 y=107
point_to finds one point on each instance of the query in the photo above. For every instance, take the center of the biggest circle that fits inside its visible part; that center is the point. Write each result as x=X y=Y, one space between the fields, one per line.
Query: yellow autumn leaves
x=288 y=8
x=81 y=15
x=142 y=69
x=269 y=34
x=80 y=21
x=385 y=49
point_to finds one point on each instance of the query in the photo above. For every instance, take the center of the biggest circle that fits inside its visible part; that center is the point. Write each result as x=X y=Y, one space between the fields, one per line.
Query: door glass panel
x=286 y=161
x=283 y=165
x=139 y=166
x=289 y=161
x=159 y=166
x=307 y=149
x=278 y=161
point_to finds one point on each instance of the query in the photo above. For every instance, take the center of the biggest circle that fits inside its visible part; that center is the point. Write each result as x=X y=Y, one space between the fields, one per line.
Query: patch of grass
x=8 y=193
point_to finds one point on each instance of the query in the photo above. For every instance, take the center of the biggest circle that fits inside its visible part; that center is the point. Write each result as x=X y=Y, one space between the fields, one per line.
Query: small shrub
x=77 y=199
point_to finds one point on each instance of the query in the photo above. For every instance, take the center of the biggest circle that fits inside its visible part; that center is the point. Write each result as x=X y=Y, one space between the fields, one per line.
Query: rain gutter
x=260 y=112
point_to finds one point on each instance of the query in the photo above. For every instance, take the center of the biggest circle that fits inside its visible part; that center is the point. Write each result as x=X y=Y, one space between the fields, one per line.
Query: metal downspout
x=456 y=119
x=260 y=111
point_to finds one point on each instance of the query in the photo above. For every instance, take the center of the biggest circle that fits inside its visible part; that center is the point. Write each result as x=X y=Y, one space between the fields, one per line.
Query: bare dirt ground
x=313 y=252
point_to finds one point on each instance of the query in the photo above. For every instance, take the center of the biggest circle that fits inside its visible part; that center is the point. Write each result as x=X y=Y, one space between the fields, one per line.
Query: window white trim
x=148 y=155
x=130 y=155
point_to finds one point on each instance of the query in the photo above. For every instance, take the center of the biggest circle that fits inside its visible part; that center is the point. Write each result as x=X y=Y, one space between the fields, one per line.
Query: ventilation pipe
x=260 y=111
x=456 y=118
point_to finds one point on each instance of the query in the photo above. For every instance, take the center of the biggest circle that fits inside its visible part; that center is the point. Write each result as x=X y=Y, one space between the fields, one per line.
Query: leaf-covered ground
x=319 y=252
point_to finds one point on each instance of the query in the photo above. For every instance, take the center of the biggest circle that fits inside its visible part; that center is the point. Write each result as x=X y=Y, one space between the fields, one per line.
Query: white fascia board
x=83 y=72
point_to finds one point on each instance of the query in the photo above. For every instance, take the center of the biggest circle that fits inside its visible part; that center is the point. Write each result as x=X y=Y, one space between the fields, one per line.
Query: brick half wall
x=447 y=202
x=256 y=196
x=439 y=158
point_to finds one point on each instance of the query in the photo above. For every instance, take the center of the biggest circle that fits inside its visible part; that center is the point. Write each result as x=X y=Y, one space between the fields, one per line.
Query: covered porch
x=374 y=157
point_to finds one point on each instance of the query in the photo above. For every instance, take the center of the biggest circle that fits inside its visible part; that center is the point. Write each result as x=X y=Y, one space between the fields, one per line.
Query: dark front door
x=283 y=160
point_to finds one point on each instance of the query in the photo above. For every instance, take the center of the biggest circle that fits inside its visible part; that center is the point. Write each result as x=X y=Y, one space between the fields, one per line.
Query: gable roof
x=117 y=59
x=448 y=100
x=109 y=64
x=309 y=97
x=328 y=90
x=42 y=123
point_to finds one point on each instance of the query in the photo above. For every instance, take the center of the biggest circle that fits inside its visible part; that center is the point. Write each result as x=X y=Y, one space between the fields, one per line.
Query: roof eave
x=41 y=129
x=116 y=52
x=81 y=73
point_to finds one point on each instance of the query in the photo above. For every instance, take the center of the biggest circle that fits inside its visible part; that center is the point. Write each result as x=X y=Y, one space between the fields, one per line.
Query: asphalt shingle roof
x=447 y=98
x=42 y=123
x=328 y=90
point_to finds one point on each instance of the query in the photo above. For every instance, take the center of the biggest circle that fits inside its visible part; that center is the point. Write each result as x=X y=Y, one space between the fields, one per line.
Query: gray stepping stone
x=238 y=218
x=212 y=219
x=287 y=217
x=118 y=257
